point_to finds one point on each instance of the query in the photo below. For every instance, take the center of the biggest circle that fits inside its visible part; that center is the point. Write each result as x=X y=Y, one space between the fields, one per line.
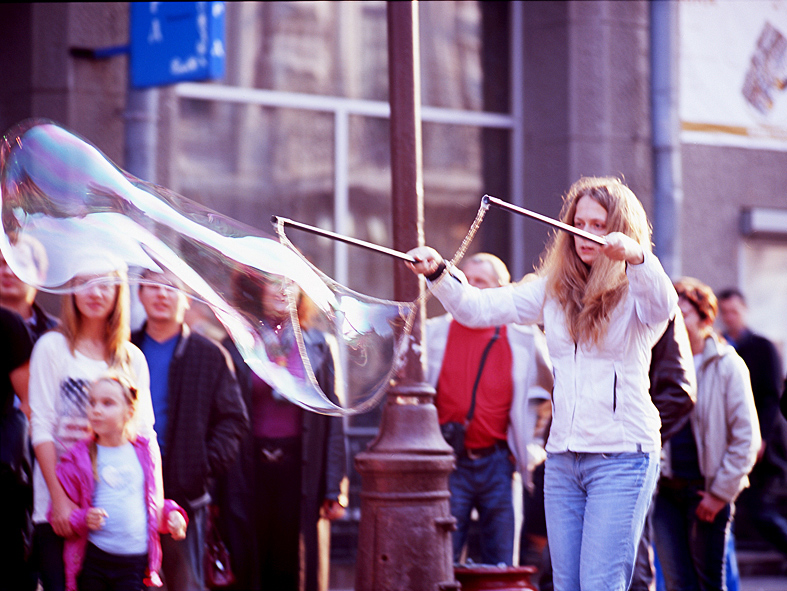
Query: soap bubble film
x=82 y=216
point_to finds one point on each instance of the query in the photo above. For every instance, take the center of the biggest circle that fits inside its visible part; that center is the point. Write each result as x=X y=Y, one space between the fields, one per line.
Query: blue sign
x=176 y=41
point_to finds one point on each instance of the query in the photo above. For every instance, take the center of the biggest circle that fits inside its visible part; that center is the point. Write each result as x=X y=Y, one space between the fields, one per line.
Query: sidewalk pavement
x=760 y=583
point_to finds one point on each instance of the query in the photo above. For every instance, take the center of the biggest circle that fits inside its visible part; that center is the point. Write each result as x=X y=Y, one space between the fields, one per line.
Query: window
x=300 y=129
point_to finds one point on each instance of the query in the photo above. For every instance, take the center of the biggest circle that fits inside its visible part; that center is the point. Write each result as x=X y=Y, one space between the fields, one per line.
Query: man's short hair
x=30 y=253
x=161 y=277
x=499 y=267
x=729 y=293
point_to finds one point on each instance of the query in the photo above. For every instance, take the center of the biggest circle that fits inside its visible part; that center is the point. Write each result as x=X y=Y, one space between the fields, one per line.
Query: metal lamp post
x=406 y=522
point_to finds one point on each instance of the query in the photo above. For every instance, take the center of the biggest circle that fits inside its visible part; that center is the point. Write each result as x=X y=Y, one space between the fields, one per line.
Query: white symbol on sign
x=190 y=64
x=217 y=49
x=155 y=36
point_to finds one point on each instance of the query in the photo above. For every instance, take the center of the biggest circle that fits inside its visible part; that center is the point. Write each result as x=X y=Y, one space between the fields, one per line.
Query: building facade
x=519 y=100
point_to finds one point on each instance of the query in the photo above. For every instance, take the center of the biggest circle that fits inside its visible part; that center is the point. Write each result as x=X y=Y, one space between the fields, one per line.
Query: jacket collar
x=183 y=339
x=715 y=347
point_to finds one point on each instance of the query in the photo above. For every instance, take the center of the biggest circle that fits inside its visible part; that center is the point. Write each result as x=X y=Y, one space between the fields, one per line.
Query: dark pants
x=277 y=517
x=48 y=557
x=644 y=576
x=691 y=552
x=758 y=505
x=181 y=564
x=102 y=571
x=16 y=525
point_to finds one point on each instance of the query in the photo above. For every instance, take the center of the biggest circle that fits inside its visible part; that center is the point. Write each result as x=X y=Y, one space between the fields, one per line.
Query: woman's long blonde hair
x=589 y=294
x=117 y=331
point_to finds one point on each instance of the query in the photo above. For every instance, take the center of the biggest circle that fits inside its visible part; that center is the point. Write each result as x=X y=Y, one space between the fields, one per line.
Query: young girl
x=111 y=477
x=93 y=337
x=603 y=309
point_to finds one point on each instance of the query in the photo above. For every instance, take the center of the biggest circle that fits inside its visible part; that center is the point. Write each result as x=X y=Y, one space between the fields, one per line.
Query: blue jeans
x=485 y=484
x=692 y=552
x=596 y=506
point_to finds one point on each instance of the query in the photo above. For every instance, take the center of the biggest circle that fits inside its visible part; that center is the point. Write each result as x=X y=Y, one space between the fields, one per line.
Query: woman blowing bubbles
x=603 y=309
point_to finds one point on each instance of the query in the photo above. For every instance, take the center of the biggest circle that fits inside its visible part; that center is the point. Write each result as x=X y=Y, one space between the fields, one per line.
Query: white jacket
x=600 y=401
x=724 y=422
x=531 y=372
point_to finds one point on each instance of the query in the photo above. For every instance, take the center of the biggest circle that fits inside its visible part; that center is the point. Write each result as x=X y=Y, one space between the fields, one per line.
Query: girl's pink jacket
x=75 y=473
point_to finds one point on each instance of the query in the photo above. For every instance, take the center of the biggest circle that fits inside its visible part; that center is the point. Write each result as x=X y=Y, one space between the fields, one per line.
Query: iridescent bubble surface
x=83 y=214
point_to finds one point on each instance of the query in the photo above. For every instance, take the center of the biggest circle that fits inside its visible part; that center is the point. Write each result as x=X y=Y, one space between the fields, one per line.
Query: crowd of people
x=99 y=423
x=635 y=427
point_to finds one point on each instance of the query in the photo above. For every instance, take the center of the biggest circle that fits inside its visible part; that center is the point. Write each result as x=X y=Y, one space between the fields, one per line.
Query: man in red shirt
x=489 y=382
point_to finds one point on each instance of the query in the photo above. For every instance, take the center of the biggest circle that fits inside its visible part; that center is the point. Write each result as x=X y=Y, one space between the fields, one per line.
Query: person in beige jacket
x=706 y=464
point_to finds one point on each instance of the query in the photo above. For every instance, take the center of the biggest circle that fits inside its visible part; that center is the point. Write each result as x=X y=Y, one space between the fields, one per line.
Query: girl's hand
x=95 y=518
x=331 y=510
x=428 y=259
x=709 y=507
x=620 y=247
x=176 y=525
x=62 y=507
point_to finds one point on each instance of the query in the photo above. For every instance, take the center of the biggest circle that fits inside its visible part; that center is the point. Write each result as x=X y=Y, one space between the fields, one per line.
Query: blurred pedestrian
x=15 y=460
x=673 y=389
x=706 y=463
x=200 y=418
x=114 y=479
x=21 y=297
x=93 y=337
x=760 y=503
x=290 y=467
x=489 y=382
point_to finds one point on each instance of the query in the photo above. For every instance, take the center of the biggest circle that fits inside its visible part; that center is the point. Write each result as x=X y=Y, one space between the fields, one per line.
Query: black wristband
x=439 y=271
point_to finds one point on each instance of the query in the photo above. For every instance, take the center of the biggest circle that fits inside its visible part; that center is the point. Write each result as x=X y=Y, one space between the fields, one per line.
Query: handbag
x=453 y=431
x=218 y=570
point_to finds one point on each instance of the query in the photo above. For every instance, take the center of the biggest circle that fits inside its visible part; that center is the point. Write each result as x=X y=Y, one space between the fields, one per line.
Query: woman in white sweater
x=706 y=464
x=603 y=308
x=93 y=336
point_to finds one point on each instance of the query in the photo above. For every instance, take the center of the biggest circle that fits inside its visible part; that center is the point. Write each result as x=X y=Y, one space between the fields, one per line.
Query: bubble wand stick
x=489 y=200
x=275 y=220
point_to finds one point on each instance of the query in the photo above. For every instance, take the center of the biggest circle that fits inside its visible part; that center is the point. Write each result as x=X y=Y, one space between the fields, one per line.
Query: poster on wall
x=733 y=73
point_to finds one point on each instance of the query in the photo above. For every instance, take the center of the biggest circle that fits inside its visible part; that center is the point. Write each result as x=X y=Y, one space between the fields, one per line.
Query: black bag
x=218 y=571
x=454 y=435
x=454 y=432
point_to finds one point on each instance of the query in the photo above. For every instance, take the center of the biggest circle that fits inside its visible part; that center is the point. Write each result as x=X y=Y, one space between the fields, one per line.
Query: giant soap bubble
x=61 y=194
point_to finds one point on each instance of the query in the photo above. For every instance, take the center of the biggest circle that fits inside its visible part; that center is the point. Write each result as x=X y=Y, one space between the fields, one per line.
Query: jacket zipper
x=615 y=393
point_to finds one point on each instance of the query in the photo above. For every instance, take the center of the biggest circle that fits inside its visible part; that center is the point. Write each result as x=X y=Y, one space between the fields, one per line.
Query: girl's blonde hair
x=129 y=391
x=117 y=332
x=589 y=294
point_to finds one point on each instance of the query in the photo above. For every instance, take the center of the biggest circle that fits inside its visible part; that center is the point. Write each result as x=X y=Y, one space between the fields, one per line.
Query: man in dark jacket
x=21 y=297
x=15 y=460
x=673 y=389
x=759 y=503
x=200 y=419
